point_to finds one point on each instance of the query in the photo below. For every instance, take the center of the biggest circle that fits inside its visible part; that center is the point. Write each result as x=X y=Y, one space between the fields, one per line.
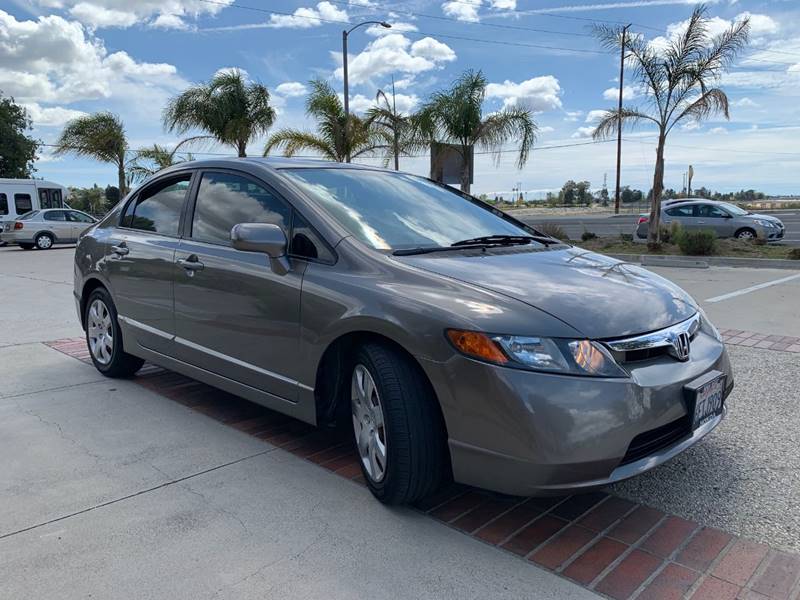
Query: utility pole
x=396 y=133
x=619 y=112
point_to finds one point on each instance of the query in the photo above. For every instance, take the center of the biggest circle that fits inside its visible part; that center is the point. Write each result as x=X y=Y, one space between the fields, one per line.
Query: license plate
x=705 y=397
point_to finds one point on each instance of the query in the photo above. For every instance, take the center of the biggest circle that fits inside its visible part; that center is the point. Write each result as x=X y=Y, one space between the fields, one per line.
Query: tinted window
x=158 y=207
x=55 y=215
x=305 y=241
x=29 y=215
x=681 y=211
x=22 y=202
x=3 y=204
x=709 y=210
x=224 y=200
x=395 y=210
x=79 y=217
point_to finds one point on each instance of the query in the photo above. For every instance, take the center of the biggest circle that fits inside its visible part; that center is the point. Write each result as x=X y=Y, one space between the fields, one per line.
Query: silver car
x=723 y=218
x=43 y=228
x=452 y=340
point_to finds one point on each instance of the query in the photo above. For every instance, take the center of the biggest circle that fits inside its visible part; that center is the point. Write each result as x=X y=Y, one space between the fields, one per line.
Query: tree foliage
x=17 y=150
x=679 y=79
x=149 y=161
x=230 y=109
x=393 y=127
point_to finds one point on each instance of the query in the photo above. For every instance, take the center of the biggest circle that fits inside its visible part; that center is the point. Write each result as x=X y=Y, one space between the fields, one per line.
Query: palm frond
x=610 y=121
x=100 y=136
x=710 y=102
x=292 y=141
x=511 y=123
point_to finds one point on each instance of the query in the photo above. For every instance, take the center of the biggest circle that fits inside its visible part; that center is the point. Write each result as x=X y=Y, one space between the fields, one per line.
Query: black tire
x=26 y=246
x=746 y=233
x=416 y=445
x=121 y=364
x=44 y=241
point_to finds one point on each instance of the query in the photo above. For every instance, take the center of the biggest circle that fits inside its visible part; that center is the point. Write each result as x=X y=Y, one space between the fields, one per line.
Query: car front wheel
x=104 y=338
x=397 y=425
x=746 y=234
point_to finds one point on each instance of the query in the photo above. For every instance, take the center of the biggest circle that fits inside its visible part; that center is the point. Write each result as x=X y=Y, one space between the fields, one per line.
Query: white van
x=18 y=196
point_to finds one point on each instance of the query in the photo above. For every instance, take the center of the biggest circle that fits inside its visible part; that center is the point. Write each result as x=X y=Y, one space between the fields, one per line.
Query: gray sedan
x=723 y=218
x=451 y=339
x=43 y=228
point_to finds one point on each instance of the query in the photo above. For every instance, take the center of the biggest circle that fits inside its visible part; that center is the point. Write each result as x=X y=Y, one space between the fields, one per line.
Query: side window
x=78 y=217
x=223 y=200
x=158 y=208
x=23 y=203
x=55 y=215
x=681 y=211
x=709 y=210
x=3 y=204
x=305 y=242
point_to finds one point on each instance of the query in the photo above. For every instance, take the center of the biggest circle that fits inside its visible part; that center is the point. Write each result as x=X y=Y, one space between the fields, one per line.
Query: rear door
x=234 y=316
x=141 y=261
x=56 y=222
x=682 y=214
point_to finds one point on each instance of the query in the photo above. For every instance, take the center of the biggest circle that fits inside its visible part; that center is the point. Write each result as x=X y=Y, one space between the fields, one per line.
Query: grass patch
x=724 y=247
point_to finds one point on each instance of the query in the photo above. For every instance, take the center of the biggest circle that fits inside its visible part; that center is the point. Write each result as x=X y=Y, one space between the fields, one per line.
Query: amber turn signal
x=476 y=345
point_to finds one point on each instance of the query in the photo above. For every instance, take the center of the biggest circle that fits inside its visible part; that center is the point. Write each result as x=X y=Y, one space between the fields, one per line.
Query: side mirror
x=266 y=238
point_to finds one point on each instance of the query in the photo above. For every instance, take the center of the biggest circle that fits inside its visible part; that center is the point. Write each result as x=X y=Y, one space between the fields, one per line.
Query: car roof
x=269 y=163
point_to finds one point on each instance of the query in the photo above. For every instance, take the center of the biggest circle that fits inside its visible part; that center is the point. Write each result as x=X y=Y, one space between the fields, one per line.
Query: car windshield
x=29 y=215
x=391 y=211
x=734 y=210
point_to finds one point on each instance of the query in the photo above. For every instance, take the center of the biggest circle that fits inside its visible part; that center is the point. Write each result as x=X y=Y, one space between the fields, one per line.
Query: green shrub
x=588 y=235
x=794 y=254
x=626 y=237
x=553 y=230
x=698 y=243
x=759 y=241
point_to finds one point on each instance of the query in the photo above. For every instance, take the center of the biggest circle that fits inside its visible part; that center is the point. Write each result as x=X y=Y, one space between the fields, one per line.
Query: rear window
x=681 y=211
x=29 y=215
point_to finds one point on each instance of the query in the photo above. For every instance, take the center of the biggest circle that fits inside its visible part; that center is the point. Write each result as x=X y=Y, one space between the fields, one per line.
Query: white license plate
x=708 y=401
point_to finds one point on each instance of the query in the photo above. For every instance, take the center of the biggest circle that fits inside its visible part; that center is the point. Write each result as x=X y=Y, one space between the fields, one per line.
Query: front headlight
x=707 y=326
x=552 y=355
x=763 y=223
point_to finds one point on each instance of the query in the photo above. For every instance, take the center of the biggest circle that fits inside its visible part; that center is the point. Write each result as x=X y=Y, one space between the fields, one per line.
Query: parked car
x=455 y=340
x=723 y=218
x=43 y=228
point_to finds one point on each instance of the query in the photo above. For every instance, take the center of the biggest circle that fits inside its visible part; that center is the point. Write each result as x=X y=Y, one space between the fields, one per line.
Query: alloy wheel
x=44 y=242
x=368 y=423
x=101 y=332
x=745 y=235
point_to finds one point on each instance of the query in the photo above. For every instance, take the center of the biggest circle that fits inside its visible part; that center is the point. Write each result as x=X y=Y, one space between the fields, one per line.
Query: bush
x=553 y=230
x=588 y=235
x=697 y=243
x=794 y=254
x=626 y=237
x=759 y=241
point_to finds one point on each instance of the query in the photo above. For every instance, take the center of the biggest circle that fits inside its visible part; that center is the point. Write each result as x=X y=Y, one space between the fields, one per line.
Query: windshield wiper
x=429 y=249
x=504 y=240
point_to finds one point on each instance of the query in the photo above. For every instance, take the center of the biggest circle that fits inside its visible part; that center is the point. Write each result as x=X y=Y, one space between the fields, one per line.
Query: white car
x=43 y=228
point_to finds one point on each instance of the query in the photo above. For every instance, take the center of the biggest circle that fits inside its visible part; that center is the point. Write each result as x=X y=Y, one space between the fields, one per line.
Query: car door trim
x=214 y=353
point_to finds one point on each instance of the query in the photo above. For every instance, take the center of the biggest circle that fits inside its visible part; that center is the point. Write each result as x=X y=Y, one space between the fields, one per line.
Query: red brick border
x=737 y=337
x=615 y=547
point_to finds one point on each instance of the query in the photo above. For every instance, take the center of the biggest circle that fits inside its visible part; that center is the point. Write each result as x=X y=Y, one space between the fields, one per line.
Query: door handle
x=191 y=263
x=120 y=250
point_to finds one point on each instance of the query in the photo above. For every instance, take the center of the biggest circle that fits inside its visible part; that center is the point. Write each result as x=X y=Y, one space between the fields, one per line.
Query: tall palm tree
x=148 y=161
x=324 y=105
x=680 y=80
x=455 y=116
x=394 y=126
x=100 y=136
x=232 y=110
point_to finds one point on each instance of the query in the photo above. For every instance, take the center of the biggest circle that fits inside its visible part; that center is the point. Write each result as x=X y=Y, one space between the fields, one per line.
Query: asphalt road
x=574 y=226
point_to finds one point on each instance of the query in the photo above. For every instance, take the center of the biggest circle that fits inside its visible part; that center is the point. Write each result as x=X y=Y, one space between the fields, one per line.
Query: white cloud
x=538 y=93
x=595 y=115
x=718 y=131
x=55 y=116
x=464 y=10
x=573 y=115
x=303 y=18
x=546 y=129
x=745 y=103
x=583 y=132
x=166 y=14
x=396 y=27
x=628 y=93
x=291 y=89
x=361 y=103
x=394 y=53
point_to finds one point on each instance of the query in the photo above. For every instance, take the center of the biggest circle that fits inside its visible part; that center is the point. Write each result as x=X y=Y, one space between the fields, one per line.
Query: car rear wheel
x=746 y=234
x=104 y=338
x=398 y=428
x=44 y=241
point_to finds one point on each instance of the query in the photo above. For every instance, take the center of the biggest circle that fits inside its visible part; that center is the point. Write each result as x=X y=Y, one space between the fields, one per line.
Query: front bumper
x=526 y=433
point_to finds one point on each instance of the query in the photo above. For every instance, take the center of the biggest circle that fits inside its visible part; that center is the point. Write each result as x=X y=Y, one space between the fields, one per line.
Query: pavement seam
x=53 y=389
x=136 y=494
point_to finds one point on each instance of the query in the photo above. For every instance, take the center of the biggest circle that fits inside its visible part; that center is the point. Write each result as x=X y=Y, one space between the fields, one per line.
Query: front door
x=715 y=219
x=80 y=222
x=140 y=263
x=56 y=222
x=234 y=316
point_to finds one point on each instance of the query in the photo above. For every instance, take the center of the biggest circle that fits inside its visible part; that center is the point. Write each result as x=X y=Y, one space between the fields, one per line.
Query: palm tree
x=324 y=105
x=680 y=80
x=149 y=161
x=455 y=116
x=395 y=127
x=100 y=136
x=232 y=110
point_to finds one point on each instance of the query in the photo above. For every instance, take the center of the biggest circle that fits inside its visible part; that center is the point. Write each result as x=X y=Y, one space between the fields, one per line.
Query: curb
x=710 y=261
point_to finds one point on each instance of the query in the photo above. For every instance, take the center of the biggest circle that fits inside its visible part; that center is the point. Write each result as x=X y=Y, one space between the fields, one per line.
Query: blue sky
x=62 y=58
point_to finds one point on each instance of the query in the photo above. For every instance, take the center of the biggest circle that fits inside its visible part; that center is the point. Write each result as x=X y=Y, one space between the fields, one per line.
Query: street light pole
x=346 y=90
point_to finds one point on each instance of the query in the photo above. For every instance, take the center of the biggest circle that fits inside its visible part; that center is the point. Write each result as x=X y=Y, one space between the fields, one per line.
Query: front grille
x=652 y=441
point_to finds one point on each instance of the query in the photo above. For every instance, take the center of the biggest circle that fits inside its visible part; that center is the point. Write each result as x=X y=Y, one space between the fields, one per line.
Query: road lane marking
x=753 y=288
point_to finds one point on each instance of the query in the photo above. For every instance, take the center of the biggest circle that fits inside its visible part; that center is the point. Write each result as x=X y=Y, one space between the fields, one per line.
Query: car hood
x=599 y=296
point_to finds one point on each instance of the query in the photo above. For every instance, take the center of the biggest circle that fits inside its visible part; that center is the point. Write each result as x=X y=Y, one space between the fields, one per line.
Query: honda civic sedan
x=453 y=340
